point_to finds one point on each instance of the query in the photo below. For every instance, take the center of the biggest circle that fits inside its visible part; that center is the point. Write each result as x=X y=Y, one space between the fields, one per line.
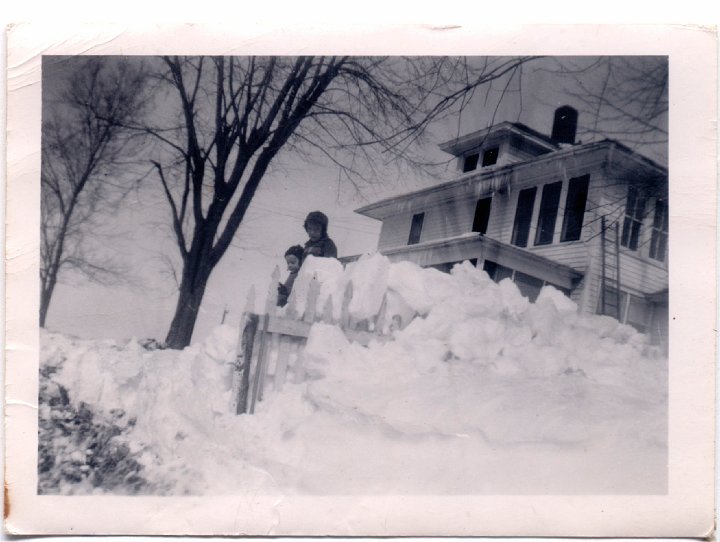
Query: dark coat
x=322 y=248
x=285 y=289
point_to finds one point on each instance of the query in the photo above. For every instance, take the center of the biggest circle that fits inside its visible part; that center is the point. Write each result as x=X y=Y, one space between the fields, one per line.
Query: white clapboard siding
x=395 y=231
x=449 y=219
x=641 y=275
x=573 y=254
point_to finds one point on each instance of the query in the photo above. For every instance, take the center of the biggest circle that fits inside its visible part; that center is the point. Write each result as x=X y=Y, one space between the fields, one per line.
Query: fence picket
x=311 y=304
x=379 y=325
x=250 y=300
x=272 y=296
x=345 y=307
x=299 y=365
x=327 y=315
x=284 y=334
x=243 y=363
x=259 y=367
x=291 y=307
x=281 y=364
x=273 y=340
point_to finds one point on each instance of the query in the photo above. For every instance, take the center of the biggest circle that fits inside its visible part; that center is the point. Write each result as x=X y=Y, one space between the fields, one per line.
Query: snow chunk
x=369 y=277
x=562 y=303
x=419 y=288
x=329 y=274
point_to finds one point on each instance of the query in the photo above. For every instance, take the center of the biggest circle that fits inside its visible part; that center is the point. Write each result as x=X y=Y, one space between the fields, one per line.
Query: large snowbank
x=483 y=392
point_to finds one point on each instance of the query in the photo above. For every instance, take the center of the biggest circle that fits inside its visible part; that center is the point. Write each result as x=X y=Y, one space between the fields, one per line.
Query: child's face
x=314 y=231
x=292 y=262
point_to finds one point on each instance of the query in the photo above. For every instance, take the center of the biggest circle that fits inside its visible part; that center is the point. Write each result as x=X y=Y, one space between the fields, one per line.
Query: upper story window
x=575 y=208
x=470 y=163
x=482 y=215
x=548 y=213
x=523 y=216
x=490 y=156
x=416 y=228
x=634 y=214
x=659 y=239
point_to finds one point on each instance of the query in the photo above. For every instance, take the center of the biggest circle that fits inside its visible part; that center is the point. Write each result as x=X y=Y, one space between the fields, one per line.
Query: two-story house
x=590 y=219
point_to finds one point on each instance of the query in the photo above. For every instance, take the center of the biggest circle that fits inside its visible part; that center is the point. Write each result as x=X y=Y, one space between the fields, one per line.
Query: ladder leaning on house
x=610 y=296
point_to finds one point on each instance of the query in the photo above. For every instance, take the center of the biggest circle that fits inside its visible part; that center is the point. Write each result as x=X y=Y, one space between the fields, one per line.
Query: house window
x=610 y=305
x=447 y=266
x=416 y=228
x=575 y=208
x=496 y=271
x=638 y=313
x=548 y=213
x=482 y=215
x=470 y=163
x=659 y=239
x=490 y=156
x=523 y=216
x=634 y=213
x=528 y=285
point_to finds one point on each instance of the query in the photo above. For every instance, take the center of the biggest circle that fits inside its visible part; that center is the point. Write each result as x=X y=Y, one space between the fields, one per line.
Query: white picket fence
x=271 y=345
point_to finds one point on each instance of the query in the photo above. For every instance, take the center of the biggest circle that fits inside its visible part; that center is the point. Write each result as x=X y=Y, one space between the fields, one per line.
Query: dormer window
x=470 y=163
x=490 y=156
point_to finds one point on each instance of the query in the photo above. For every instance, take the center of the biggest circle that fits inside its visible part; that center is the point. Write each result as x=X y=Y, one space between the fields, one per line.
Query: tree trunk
x=45 y=297
x=47 y=287
x=186 y=312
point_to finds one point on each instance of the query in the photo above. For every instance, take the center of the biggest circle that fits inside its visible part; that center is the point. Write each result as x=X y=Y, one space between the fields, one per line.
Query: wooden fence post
x=281 y=365
x=345 y=307
x=270 y=309
x=260 y=365
x=381 y=316
x=243 y=361
x=311 y=301
x=242 y=365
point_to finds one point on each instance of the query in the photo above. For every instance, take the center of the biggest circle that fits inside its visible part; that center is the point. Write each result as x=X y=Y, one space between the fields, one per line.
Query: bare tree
x=82 y=145
x=625 y=97
x=236 y=115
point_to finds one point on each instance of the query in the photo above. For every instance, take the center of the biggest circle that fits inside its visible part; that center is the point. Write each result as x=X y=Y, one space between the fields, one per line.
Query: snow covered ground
x=483 y=392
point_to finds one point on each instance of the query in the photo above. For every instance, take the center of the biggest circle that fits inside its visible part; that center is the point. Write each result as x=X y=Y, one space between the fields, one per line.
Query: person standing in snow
x=293 y=258
x=319 y=244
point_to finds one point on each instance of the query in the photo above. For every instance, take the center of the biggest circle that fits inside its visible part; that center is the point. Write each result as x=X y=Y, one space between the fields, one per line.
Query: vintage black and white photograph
x=354 y=276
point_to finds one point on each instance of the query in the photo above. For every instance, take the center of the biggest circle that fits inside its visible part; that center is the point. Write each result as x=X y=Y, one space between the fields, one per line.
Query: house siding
x=395 y=231
x=639 y=274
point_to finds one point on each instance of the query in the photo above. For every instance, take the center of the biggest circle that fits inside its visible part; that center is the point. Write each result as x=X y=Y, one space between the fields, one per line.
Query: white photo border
x=688 y=508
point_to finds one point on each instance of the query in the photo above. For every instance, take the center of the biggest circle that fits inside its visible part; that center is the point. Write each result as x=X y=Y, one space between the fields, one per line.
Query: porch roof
x=476 y=245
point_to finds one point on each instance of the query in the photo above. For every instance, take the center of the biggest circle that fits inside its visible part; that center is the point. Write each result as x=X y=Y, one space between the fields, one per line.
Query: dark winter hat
x=295 y=250
x=319 y=218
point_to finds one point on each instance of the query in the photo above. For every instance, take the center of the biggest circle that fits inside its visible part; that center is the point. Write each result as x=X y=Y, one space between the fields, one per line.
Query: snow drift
x=483 y=392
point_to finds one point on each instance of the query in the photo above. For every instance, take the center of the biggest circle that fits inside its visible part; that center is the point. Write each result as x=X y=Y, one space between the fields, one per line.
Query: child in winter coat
x=293 y=258
x=319 y=244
